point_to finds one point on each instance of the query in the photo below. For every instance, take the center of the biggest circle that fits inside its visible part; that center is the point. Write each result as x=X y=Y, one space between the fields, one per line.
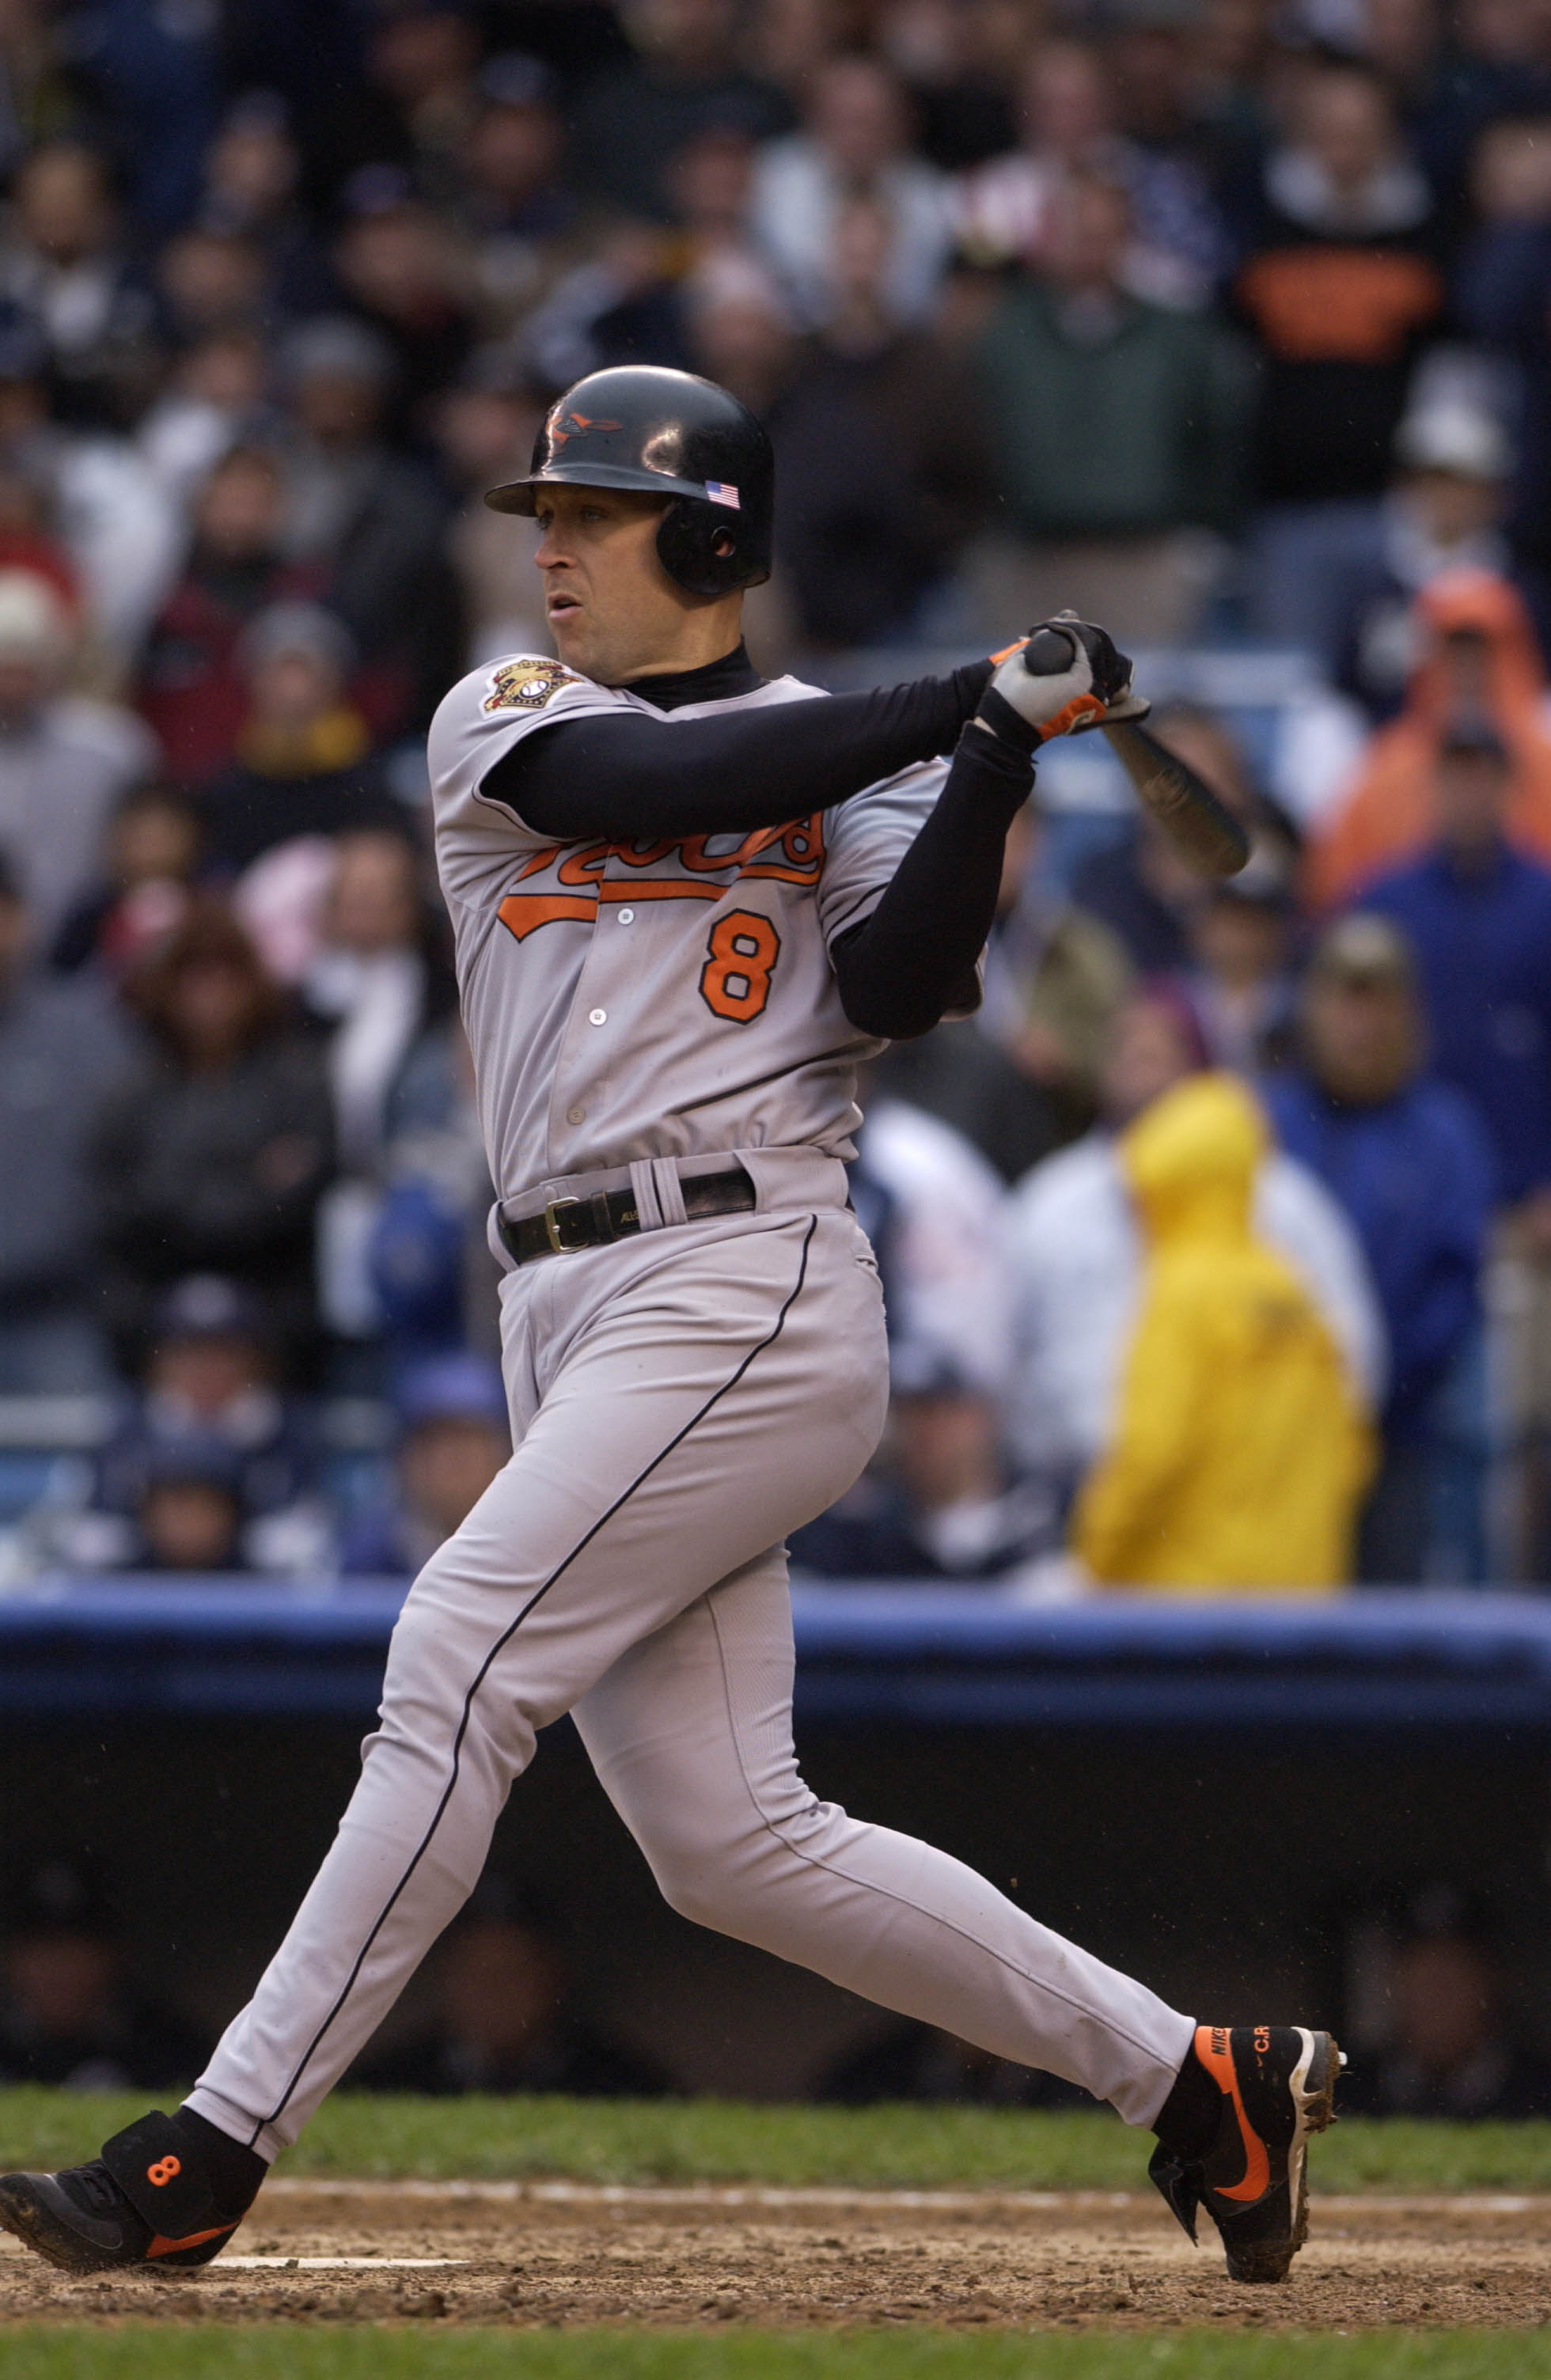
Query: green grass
x=951 y=2148
x=290 y=2353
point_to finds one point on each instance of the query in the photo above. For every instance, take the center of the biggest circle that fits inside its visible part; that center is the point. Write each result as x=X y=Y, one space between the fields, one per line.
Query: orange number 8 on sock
x=165 y=2170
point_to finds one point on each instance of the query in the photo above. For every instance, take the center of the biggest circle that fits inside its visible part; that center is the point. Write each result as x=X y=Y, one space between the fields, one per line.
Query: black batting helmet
x=671 y=434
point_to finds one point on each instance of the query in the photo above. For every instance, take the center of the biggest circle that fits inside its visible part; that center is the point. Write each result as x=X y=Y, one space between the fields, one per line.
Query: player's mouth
x=562 y=605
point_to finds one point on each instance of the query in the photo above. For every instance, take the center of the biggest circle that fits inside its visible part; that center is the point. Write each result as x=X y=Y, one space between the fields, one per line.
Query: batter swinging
x=687 y=902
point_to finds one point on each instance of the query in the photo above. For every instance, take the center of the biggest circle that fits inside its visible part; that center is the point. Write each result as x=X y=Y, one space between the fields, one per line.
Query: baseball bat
x=1200 y=826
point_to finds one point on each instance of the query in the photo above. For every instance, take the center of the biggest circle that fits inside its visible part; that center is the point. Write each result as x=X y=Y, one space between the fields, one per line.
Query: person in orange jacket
x=1479 y=662
x=1240 y=1451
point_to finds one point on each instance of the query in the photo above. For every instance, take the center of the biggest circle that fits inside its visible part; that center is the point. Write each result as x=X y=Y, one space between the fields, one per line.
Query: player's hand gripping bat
x=1203 y=831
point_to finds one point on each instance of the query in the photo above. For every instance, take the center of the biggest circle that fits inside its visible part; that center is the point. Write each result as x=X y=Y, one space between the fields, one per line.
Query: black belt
x=566 y=1225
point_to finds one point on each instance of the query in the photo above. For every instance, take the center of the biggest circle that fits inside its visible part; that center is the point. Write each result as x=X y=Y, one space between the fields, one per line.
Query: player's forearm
x=915 y=956
x=631 y=775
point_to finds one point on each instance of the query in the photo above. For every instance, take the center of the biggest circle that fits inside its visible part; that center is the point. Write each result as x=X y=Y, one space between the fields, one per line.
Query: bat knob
x=1048 y=653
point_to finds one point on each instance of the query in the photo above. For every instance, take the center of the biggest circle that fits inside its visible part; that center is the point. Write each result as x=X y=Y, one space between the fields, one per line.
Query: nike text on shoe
x=1277 y=2084
x=146 y=2200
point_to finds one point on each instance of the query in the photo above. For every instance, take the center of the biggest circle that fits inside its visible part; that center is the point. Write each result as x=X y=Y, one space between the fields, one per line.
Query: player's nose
x=554 y=549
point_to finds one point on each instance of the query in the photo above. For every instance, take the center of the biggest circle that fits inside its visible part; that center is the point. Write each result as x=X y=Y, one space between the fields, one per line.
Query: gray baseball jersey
x=633 y=1000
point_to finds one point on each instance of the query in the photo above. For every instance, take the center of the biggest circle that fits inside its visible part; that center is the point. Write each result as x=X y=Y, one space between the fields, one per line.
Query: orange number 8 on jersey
x=735 y=979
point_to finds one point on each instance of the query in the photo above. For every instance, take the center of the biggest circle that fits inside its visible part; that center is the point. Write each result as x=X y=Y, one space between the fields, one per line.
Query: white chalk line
x=708 y=2195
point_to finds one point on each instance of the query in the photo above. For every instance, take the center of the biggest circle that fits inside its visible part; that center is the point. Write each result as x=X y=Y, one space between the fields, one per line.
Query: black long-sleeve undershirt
x=914 y=959
x=624 y=774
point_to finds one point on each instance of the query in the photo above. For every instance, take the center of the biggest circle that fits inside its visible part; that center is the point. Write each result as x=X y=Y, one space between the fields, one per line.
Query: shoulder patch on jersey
x=528 y=685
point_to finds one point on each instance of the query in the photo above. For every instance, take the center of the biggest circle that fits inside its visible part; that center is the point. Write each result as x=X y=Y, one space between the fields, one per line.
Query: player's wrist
x=997 y=719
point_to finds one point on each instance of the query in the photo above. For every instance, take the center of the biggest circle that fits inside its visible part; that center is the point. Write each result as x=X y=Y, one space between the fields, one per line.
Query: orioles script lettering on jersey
x=792 y=855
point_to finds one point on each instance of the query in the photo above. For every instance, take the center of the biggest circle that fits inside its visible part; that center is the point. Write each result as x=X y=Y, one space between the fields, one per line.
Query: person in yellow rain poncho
x=1240 y=1451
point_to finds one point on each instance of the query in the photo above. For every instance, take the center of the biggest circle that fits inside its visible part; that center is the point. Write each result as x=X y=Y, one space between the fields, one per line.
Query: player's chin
x=572 y=642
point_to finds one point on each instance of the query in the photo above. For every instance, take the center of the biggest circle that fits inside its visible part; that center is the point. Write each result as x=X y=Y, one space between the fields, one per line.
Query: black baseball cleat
x=1276 y=2085
x=148 y=2200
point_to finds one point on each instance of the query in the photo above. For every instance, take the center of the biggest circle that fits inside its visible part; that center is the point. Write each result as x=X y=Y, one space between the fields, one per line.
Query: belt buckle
x=551 y=1227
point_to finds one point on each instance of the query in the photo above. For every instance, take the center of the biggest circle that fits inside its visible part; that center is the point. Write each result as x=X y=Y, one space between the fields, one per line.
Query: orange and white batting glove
x=1065 y=676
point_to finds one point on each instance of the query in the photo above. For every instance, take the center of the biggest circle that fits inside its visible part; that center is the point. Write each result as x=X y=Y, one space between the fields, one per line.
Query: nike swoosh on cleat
x=160 y=2247
x=1257 y=2165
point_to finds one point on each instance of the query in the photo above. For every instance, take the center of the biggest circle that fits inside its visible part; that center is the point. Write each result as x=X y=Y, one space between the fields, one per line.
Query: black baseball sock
x=1188 y=2119
x=235 y=2173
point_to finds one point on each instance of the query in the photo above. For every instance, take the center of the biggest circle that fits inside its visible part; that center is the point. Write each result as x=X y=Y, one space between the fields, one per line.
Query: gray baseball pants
x=680 y=1401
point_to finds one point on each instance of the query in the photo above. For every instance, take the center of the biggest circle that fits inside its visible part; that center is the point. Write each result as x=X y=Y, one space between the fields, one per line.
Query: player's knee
x=723 y=1872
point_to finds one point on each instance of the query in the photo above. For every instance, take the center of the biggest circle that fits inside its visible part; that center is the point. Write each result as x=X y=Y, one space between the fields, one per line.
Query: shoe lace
x=93 y=2188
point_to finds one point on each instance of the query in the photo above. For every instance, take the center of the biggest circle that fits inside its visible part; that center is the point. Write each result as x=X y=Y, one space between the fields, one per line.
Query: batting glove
x=1063 y=677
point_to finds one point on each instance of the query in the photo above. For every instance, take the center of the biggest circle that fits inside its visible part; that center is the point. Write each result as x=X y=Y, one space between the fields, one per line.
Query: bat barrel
x=1203 y=832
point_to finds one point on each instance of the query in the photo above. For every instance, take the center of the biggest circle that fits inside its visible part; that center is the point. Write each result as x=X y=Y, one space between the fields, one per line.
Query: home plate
x=339 y=2264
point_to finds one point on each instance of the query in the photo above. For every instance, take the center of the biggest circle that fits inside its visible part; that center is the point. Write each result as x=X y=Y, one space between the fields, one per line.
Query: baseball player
x=687 y=902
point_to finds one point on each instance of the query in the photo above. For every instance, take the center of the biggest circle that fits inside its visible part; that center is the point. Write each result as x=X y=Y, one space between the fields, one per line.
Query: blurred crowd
x=1219 y=1245
x=1438 y=1999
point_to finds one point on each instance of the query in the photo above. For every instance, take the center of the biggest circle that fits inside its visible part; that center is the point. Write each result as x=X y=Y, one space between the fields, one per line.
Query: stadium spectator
x=515 y=207
x=947 y=1291
x=685 y=77
x=503 y=2015
x=1178 y=158
x=369 y=520
x=1073 y=1255
x=212 y=1155
x=1411 y=1167
x=187 y=1516
x=402 y=271
x=854 y=144
x=209 y=1417
x=191 y=688
x=917 y=2062
x=432 y=1273
x=1003 y=211
x=960 y=63
x=940 y=1502
x=881 y=475
x=1239 y=1451
x=485 y=429
x=151 y=856
x=1118 y=430
x=409 y=101
x=1502 y=295
x=252 y=172
x=64 y=267
x=64 y=760
x=1450 y=2050
x=1478 y=660
x=303 y=762
x=1443 y=513
x=454 y=1436
x=62 y=1053
x=70 y=2015
x=377 y=983
x=1340 y=285
x=1477 y=914
x=211 y=284
x=1242 y=946
x=97 y=497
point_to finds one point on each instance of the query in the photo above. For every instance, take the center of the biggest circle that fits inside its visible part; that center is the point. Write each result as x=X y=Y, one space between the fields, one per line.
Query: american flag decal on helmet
x=721 y=494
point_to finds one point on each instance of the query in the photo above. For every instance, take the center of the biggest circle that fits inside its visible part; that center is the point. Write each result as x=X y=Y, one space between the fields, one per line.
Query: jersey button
x=575 y=1115
x=598 y=1016
x=626 y=917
